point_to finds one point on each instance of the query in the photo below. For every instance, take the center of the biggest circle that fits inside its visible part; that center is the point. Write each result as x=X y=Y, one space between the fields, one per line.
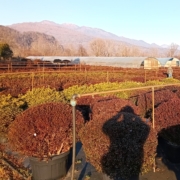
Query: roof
x=126 y=62
x=163 y=61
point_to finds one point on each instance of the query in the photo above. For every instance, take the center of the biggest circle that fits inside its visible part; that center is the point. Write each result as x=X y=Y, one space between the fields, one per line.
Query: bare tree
x=82 y=51
x=69 y=50
x=110 y=48
x=101 y=47
x=172 y=50
x=97 y=46
x=126 y=51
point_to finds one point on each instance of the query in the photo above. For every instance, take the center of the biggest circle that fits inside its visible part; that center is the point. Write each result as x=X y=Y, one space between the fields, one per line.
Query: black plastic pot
x=172 y=151
x=52 y=169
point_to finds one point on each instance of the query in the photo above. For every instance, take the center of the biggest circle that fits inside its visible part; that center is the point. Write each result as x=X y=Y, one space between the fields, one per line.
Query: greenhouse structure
x=166 y=62
x=124 y=62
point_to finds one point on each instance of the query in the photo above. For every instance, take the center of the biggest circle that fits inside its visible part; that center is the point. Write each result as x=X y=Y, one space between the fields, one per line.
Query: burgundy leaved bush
x=44 y=130
x=104 y=108
x=167 y=114
x=145 y=100
x=84 y=105
x=118 y=142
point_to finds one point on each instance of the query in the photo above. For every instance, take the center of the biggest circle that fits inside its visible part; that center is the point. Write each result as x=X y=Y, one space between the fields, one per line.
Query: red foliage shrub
x=84 y=106
x=138 y=79
x=167 y=114
x=104 y=108
x=119 y=144
x=144 y=101
x=44 y=130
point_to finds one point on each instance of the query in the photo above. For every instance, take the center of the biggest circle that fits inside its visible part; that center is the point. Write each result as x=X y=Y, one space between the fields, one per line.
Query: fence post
x=145 y=76
x=43 y=74
x=107 y=77
x=85 y=75
x=11 y=67
x=32 y=81
x=153 y=107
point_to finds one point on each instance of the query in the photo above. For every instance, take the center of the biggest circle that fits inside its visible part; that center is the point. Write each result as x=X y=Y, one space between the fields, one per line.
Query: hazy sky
x=153 y=21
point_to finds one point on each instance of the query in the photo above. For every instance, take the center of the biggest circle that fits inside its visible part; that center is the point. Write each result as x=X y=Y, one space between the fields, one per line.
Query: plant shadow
x=127 y=133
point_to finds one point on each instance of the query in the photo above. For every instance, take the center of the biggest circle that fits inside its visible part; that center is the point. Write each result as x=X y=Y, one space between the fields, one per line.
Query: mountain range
x=73 y=34
x=52 y=39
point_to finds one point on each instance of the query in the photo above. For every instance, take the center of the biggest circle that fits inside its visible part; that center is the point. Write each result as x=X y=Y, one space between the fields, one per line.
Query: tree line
x=97 y=47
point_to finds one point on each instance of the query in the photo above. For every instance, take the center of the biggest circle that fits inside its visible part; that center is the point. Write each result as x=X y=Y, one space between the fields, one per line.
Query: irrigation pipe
x=73 y=104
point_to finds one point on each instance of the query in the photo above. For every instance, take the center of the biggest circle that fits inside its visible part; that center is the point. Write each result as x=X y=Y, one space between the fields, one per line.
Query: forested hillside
x=34 y=43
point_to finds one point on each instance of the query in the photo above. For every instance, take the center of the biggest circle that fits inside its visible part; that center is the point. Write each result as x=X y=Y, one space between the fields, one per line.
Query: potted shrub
x=167 y=123
x=44 y=133
x=118 y=143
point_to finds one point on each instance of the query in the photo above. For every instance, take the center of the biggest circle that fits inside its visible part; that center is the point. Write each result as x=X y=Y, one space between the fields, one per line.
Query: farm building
x=151 y=63
x=125 y=62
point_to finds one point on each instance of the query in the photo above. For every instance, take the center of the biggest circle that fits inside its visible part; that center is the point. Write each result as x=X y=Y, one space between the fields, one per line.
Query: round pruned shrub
x=120 y=144
x=44 y=130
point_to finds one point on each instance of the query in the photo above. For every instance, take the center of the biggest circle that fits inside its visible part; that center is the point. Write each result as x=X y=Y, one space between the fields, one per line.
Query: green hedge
x=9 y=108
x=41 y=96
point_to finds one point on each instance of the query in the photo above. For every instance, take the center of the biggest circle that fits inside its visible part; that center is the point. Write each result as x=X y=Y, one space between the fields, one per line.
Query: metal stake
x=73 y=104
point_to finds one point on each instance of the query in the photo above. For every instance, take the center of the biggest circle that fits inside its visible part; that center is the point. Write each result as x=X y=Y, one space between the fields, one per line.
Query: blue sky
x=153 y=21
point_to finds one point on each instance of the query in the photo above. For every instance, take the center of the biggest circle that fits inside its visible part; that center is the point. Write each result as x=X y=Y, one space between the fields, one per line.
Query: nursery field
x=135 y=107
x=17 y=82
